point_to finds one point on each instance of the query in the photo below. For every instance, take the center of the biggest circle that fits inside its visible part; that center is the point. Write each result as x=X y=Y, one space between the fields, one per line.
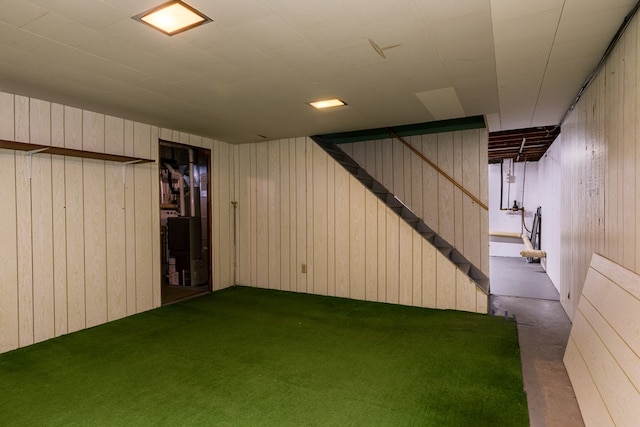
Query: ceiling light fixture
x=172 y=17
x=328 y=103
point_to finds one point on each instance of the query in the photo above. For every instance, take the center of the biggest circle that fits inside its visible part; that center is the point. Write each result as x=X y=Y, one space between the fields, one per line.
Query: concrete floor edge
x=524 y=291
x=543 y=332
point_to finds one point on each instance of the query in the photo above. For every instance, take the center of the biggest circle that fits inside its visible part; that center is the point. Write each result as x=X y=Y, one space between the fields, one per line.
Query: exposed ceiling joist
x=528 y=144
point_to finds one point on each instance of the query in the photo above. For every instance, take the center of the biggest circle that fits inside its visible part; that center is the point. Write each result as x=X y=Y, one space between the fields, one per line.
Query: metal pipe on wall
x=501 y=181
x=180 y=187
x=509 y=177
x=524 y=177
x=192 y=186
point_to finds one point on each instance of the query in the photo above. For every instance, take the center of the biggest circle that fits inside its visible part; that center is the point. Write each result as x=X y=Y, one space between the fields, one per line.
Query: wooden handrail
x=440 y=171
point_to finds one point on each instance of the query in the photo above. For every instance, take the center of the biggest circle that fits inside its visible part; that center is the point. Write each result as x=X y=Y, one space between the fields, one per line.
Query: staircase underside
x=451 y=253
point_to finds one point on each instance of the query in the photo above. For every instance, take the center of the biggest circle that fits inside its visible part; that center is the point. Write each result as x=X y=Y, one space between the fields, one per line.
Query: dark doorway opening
x=184 y=221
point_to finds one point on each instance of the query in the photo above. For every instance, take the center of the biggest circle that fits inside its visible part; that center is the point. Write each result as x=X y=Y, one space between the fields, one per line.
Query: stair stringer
x=456 y=211
x=459 y=284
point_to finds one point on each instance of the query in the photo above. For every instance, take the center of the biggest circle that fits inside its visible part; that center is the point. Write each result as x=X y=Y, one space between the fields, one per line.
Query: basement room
x=343 y=212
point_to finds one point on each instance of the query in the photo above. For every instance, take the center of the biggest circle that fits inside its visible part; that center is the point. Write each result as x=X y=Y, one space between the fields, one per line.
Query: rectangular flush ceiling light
x=327 y=103
x=172 y=17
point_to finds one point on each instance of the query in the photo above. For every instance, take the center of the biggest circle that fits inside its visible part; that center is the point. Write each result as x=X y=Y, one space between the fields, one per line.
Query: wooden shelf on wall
x=61 y=151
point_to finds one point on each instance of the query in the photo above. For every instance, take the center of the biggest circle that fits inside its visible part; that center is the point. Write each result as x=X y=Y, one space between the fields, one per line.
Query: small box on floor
x=174 y=278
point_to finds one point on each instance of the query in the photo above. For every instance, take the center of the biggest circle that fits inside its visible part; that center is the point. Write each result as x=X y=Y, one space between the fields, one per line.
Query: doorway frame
x=208 y=153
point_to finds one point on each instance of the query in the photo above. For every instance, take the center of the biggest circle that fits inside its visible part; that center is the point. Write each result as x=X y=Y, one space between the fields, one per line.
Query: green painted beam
x=465 y=123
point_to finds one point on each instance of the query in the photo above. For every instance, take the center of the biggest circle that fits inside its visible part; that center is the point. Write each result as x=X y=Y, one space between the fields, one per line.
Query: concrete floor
x=543 y=331
x=516 y=277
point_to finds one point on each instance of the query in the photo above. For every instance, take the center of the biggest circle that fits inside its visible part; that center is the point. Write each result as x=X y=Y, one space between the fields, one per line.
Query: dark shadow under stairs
x=451 y=253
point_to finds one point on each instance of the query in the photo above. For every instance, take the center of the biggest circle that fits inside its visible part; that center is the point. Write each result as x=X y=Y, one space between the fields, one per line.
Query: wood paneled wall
x=297 y=206
x=597 y=160
x=443 y=206
x=602 y=356
x=80 y=237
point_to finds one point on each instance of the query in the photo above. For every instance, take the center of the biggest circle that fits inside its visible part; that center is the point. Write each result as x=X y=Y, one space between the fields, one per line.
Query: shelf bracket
x=124 y=169
x=30 y=157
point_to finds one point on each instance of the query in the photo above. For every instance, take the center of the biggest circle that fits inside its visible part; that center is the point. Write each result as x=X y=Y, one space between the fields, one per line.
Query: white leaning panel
x=602 y=354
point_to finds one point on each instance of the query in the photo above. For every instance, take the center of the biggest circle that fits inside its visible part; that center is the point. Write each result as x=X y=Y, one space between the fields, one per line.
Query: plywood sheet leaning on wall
x=602 y=353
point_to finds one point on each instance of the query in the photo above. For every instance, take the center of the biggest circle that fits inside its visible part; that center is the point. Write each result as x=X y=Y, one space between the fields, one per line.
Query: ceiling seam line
x=546 y=67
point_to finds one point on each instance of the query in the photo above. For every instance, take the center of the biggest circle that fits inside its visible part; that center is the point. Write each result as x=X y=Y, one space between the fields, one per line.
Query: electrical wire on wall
x=524 y=176
x=509 y=178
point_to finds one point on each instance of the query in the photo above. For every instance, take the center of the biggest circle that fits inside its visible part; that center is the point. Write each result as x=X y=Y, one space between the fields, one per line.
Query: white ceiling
x=252 y=70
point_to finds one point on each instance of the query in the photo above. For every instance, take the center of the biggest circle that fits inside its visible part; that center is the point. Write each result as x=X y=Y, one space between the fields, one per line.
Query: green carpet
x=247 y=356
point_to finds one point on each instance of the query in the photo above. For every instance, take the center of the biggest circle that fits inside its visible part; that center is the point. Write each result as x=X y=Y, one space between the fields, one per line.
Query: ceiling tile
x=20 y=39
x=436 y=11
x=552 y=105
x=398 y=29
x=519 y=29
x=464 y=59
x=340 y=31
x=181 y=93
x=19 y=57
x=20 y=12
x=94 y=14
x=517 y=103
x=576 y=8
x=366 y=78
x=268 y=33
x=461 y=29
x=519 y=87
x=231 y=13
x=64 y=31
x=83 y=64
x=20 y=81
x=422 y=76
x=271 y=70
x=595 y=24
x=478 y=94
x=307 y=12
x=516 y=118
x=236 y=52
x=570 y=70
x=493 y=122
x=354 y=55
x=410 y=53
x=548 y=118
x=533 y=67
x=537 y=49
x=220 y=42
x=202 y=62
x=367 y=11
x=592 y=46
x=505 y=10
x=442 y=103
x=306 y=59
